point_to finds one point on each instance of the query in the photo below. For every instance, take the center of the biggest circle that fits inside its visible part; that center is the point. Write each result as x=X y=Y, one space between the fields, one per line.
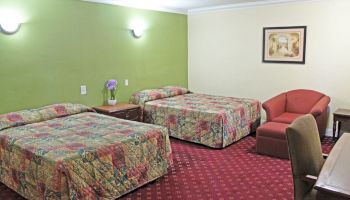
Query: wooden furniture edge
x=328 y=167
x=116 y=108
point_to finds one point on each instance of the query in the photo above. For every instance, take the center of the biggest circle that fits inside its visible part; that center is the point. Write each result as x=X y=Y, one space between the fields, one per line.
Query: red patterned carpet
x=235 y=172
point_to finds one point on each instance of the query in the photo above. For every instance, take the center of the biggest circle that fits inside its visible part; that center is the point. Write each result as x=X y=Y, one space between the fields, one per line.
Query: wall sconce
x=137 y=32
x=10 y=21
x=10 y=27
x=137 y=28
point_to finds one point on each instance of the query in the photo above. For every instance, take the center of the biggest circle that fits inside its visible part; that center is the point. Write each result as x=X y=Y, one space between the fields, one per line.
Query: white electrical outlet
x=83 y=90
x=126 y=82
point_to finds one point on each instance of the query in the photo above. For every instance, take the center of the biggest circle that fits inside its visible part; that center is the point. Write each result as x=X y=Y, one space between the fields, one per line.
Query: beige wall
x=225 y=51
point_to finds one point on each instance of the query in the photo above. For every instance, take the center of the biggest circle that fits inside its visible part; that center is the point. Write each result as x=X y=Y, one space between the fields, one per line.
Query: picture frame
x=284 y=44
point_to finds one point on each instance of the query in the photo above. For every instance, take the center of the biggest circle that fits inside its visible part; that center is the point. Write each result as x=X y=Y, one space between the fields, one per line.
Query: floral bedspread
x=214 y=121
x=141 y=97
x=79 y=155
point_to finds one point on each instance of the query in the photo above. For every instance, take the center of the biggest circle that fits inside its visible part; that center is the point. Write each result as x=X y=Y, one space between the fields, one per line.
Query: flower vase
x=112 y=102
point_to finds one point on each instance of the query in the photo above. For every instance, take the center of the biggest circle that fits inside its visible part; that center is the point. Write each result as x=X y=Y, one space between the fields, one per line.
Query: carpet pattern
x=199 y=172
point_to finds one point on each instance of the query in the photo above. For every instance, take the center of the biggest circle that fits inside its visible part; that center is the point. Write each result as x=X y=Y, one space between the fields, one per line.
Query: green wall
x=67 y=43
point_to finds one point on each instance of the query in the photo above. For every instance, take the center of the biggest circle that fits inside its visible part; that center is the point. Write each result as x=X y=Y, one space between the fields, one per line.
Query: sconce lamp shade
x=137 y=32
x=10 y=27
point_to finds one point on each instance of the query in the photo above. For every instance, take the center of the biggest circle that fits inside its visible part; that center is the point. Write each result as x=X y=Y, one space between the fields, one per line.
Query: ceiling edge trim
x=133 y=5
x=243 y=5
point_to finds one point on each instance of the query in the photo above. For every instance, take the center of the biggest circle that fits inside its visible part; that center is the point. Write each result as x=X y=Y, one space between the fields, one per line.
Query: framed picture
x=284 y=44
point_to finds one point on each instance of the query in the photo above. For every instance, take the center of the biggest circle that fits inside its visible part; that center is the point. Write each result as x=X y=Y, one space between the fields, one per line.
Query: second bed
x=214 y=121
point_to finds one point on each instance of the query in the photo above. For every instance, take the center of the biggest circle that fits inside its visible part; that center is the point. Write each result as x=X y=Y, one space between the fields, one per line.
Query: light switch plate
x=83 y=90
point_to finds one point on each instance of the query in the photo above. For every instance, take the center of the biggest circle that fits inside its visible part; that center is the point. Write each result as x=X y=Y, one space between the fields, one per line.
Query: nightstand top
x=115 y=108
x=342 y=112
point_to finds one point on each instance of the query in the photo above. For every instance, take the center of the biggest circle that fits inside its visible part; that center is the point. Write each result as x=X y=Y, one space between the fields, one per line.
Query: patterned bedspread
x=80 y=156
x=214 y=121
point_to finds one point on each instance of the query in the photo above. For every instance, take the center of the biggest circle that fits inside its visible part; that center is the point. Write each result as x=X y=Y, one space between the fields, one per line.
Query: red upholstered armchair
x=288 y=106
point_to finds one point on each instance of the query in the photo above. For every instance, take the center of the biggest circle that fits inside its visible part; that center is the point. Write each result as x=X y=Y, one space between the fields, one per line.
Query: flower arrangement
x=111 y=85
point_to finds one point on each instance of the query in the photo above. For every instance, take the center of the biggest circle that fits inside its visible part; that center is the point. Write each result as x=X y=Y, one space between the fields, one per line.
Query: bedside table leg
x=338 y=130
x=334 y=128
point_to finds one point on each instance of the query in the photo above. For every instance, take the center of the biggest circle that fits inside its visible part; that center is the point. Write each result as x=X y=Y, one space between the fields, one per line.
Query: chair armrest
x=320 y=106
x=325 y=156
x=275 y=106
x=309 y=178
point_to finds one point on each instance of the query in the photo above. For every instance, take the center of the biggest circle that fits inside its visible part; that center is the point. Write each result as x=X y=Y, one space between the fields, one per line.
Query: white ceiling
x=188 y=6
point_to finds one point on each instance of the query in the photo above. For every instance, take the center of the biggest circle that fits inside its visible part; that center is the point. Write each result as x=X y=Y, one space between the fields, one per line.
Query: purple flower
x=111 y=84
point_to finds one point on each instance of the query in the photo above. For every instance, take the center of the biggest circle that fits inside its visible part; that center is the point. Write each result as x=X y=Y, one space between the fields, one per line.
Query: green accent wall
x=64 y=44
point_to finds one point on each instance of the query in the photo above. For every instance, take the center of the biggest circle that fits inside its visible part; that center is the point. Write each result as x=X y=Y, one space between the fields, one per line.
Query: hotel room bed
x=214 y=121
x=64 y=151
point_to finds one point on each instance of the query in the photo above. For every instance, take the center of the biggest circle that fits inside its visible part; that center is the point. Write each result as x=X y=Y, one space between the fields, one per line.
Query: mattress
x=68 y=152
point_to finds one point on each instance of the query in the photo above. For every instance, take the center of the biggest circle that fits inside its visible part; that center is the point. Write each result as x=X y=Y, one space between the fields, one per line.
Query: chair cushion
x=273 y=130
x=301 y=101
x=286 y=118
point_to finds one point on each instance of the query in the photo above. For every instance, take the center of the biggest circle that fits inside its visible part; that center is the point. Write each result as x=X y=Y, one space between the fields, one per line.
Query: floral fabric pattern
x=81 y=156
x=210 y=120
x=144 y=96
x=40 y=114
x=141 y=97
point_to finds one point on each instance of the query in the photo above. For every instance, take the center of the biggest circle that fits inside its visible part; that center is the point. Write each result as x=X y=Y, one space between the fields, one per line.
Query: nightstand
x=121 y=110
x=340 y=116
